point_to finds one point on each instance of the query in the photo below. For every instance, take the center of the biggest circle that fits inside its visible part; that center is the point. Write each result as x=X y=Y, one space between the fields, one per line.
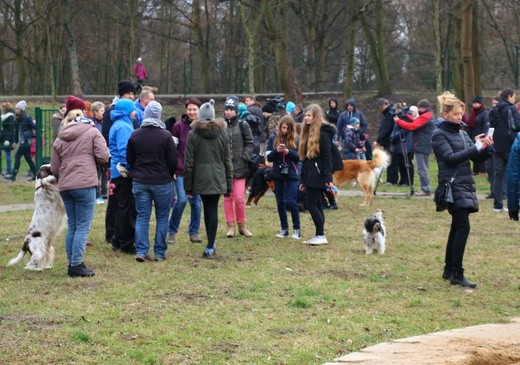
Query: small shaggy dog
x=48 y=220
x=375 y=233
x=362 y=172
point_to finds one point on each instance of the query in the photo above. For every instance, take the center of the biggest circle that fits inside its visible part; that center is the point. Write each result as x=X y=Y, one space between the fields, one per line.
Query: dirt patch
x=489 y=344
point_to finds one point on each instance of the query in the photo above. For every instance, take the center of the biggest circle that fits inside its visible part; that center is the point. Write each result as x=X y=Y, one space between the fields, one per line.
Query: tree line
x=59 y=47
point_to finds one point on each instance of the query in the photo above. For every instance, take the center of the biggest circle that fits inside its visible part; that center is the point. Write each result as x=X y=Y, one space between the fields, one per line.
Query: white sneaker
x=99 y=201
x=501 y=210
x=317 y=240
x=296 y=234
x=283 y=233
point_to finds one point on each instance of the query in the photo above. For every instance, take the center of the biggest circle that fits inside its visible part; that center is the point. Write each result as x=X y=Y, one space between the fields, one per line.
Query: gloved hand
x=121 y=168
x=6 y=143
x=513 y=215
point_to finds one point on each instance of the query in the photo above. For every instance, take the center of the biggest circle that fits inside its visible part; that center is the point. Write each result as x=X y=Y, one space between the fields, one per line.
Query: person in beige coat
x=75 y=153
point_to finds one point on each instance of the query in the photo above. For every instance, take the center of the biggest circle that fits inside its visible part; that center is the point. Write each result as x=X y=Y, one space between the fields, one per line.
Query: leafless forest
x=59 y=47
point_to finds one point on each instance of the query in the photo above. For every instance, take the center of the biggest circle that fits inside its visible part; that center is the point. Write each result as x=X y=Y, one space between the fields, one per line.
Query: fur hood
x=329 y=128
x=208 y=129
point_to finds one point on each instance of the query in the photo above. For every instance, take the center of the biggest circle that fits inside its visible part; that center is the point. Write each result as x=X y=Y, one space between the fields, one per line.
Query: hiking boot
x=143 y=258
x=283 y=233
x=171 y=238
x=195 y=238
x=80 y=271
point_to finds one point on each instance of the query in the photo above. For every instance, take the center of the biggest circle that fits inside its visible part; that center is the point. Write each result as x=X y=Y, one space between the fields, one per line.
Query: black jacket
x=498 y=119
x=386 y=126
x=317 y=172
x=453 y=149
x=291 y=160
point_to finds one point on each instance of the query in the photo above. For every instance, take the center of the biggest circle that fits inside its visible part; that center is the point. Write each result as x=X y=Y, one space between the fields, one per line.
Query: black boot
x=13 y=175
x=80 y=271
x=447 y=273
x=457 y=278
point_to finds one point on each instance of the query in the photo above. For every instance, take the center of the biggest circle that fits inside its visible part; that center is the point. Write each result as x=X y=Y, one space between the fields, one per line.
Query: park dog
x=363 y=172
x=374 y=233
x=260 y=183
x=48 y=219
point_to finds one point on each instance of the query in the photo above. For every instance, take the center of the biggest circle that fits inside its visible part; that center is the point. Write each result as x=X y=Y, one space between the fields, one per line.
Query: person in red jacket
x=422 y=128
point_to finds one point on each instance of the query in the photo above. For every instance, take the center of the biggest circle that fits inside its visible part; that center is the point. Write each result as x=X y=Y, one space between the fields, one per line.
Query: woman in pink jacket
x=75 y=153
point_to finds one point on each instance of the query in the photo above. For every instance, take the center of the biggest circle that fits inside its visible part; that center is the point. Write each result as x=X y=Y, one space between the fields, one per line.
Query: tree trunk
x=73 y=55
x=477 y=57
x=251 y=33
x=201 y=45
x=467 y=51
x=438 y=51
x=349 y=49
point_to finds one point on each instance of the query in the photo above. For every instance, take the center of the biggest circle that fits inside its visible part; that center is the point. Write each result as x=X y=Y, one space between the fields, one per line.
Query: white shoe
x=501 y=210
x=317 y=240
x=283 y=233
x=99 y=201
x=296 y=234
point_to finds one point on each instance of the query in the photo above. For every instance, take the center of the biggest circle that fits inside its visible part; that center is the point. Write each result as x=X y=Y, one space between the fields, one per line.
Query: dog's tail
x=381 y=159
x=17 y=259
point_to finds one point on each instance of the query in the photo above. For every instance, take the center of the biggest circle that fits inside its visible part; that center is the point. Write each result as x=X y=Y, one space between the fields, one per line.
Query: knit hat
x=125 y=86
x=354 y=121
x=231 y=103
x=242 y=110
x=207 y=110
x=268 y=108
x=423 y=104
x=351 y=102
x=478 y=99
x=21 y=105
x=139 y=59
x=125 y=105
x=290 y=107
x=192 y=100
x=153 y=110
x=73 y=102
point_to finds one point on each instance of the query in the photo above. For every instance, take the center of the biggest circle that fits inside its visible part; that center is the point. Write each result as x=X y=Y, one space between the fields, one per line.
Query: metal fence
x=44 y=135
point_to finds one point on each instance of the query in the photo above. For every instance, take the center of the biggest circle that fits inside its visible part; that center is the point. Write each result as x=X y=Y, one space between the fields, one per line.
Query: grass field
x=263 y=300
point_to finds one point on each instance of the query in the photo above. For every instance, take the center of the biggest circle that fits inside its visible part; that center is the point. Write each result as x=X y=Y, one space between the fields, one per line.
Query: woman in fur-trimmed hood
x=208 y=169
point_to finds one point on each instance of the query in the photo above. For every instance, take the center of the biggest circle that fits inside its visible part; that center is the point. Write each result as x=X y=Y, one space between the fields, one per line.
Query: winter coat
x=26 y=131
x=513 y=176
x=140 y=72
x=75 y=153
x=422 y=128
x=8 y=130
x=208 y=169
x=332 y=114
x=453 y=149
x=241 y=146
x=151 y=155
x=317 y=172
x=481 y=123
x=344 y=120
x=351 y=141
x=180 y=131
x=119 y=134
x=498 y=119
x=291 y=160
x=386 y=126
x=399 y=137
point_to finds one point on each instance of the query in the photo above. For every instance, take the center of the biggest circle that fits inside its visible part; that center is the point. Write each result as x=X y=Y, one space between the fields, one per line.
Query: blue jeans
x=144 y=195
x=8 y=161
x=79 y=205
x=286 y=192
x=180 y=204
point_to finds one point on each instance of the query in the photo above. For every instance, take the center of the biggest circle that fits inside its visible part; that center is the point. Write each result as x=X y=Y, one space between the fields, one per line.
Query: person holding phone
x=453 y=149
x=282 y=151
x=315 y=149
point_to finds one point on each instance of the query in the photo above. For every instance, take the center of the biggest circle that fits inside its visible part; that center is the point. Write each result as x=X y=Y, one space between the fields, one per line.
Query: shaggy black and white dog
x=375 y=233
x=48 y=219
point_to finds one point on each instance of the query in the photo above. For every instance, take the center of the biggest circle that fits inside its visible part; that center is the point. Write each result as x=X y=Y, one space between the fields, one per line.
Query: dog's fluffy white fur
x=48 y=219
x=374 y=233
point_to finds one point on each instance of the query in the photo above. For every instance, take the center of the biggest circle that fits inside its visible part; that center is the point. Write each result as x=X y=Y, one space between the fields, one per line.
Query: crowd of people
x=164 y=164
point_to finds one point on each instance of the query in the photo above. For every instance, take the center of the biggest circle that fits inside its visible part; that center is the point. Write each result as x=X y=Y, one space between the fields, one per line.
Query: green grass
x=263 y=300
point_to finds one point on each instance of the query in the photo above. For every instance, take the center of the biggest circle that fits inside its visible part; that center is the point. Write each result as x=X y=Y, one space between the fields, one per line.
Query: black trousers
x=25 y=151
x=124 y=219
x=313 y=199
x=457 y=239
x=392 y=171
x=210 y=208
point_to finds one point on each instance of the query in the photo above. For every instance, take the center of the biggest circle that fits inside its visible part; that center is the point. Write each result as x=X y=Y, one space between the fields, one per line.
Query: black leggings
x=210 y=208
x=315 y=208
x=457 y=239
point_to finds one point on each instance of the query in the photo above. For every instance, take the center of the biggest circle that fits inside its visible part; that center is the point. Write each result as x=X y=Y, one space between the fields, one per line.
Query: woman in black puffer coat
x=453 y=149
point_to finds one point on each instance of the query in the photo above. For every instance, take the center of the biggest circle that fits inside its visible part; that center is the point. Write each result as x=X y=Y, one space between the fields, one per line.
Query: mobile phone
x=490 y=132
x=281 y=145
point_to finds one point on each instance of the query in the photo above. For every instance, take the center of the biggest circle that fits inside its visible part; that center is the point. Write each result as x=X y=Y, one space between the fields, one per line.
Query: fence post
x=39 y=126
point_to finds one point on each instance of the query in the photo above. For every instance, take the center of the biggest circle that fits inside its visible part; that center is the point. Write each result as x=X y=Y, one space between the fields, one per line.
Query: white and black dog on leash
x=48 y=219
x=375 y=233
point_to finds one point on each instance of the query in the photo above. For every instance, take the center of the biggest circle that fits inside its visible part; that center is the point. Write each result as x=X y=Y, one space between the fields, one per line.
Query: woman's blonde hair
x=71 y=115
x=310 y=133
x=448 y=102
x=290 y=140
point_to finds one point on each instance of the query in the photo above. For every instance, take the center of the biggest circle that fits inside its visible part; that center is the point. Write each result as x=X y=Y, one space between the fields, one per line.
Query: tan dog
x=363 y=172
